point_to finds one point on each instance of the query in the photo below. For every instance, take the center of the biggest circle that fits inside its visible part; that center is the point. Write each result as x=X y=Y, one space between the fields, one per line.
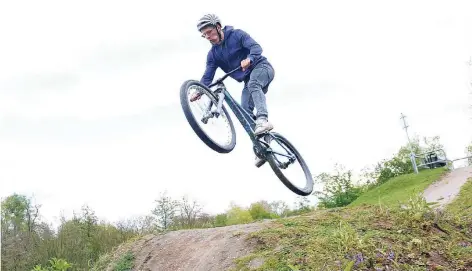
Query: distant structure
x=412 y=153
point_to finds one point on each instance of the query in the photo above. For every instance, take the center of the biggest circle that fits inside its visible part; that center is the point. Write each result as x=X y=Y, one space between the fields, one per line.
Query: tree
x=189 y=212
x=432 y=143
x=145 y=224
x=302 y=205
x=18 y=222
x=205 y=220
x=280 y=208
x=18 y=213
x=29 y=243
x=165 y=210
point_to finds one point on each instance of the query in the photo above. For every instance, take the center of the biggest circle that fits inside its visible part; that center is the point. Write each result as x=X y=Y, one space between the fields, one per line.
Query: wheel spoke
x=217 y=128
x=293 y=183
x=216 y=131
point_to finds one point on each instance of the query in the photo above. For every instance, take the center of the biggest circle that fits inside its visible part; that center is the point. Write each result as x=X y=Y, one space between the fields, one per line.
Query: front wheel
x=285 y=157
x=221 y=135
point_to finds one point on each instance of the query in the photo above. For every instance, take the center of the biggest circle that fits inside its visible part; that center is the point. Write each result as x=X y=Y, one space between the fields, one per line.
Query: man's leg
x=260 y=78
x=258 y=85
x=246 y=101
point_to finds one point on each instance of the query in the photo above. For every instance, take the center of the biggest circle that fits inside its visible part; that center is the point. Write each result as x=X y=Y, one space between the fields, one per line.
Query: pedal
x=260 y=163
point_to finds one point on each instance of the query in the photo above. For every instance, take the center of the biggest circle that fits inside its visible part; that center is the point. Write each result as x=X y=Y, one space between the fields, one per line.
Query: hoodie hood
x=227 y=30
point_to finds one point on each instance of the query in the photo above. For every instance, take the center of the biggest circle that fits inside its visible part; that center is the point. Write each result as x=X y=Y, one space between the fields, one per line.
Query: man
x=231 y=48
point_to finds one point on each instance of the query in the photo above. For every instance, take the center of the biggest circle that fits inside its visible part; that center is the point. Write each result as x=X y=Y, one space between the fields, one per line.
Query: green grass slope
x=400 y=188
x=405 y=234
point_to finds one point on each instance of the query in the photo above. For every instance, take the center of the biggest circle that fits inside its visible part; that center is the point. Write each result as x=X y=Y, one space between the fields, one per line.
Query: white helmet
x=208 y=19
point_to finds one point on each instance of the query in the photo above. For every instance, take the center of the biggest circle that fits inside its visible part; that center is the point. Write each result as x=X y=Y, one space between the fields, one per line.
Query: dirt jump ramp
x=195 y=249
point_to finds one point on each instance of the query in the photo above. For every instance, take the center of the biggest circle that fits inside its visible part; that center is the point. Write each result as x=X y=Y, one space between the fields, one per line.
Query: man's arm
x=255 y=50
x=210 y=70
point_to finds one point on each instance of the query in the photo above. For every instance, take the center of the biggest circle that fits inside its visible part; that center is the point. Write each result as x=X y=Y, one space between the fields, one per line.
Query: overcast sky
x=90 y=110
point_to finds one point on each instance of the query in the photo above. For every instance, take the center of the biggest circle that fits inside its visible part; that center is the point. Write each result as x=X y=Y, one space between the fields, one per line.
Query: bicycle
x=216 y=109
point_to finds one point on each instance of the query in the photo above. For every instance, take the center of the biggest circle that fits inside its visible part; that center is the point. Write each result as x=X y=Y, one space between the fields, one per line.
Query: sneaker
x=195 y=96
x=262 y=126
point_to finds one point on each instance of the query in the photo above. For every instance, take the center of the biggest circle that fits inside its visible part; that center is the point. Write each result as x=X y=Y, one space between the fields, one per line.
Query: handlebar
x=231 y=72
x=224 y=77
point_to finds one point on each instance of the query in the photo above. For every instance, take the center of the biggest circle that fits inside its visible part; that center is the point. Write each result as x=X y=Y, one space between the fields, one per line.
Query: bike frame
x=244 y=118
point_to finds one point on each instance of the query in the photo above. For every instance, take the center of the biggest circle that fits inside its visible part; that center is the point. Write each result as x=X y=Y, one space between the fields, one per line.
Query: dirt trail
x=446 y=189
x=198 y=249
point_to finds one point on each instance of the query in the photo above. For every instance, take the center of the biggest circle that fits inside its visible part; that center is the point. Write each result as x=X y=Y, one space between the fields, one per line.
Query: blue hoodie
x=237 y=45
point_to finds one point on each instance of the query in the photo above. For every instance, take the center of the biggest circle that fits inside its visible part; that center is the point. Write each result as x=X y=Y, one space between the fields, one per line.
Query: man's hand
x=245 y=63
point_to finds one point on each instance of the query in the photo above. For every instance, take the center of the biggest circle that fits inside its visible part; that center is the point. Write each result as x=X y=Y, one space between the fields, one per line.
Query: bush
x=259 y=210
x=338 y=190
x=221 y=220
x=56 y=265
x=238 y=215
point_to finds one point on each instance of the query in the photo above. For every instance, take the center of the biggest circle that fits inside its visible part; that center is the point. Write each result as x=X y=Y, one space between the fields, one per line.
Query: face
x=211 y=34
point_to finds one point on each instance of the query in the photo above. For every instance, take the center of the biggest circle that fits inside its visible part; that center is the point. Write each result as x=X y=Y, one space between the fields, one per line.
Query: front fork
x=217 y=111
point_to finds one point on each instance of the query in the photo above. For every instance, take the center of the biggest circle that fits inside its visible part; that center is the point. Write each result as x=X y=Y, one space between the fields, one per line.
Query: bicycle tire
x=194 y=122
x=305 y=191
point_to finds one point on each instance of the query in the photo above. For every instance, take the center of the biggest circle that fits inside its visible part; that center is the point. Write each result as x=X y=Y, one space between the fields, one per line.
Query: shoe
x=262 y=126
x=195 y=96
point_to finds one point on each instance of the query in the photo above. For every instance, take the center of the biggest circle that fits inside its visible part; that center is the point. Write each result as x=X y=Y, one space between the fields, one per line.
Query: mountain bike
x=214 y=110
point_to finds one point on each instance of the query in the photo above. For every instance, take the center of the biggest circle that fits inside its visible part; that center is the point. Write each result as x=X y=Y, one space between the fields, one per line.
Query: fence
x=431 y=160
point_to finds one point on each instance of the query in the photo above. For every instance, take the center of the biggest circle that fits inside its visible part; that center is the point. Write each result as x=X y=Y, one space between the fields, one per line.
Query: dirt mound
x=446 y=189
x=196 y=249
x=217 y=248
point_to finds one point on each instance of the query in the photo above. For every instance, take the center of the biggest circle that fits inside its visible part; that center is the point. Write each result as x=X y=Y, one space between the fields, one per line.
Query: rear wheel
x=220 y=135
x=285 y=157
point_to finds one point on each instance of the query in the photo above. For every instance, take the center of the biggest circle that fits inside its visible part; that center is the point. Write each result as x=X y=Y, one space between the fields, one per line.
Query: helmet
x=208 y=19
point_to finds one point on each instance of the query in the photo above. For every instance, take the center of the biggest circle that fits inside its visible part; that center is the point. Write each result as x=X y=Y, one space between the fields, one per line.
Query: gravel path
x=446 y=189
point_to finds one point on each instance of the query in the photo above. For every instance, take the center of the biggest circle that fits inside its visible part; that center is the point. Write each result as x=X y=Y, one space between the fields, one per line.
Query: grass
x=405 y=234
x=463 y=203
x=461 y=207
x=125 y=263
x=400 y=188
x=121 y=258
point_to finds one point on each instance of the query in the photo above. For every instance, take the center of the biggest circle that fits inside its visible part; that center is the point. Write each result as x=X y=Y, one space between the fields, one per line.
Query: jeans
x=255 y=88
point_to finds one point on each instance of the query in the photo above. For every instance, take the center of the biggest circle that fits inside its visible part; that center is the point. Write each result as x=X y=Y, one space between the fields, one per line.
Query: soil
x=196 y=249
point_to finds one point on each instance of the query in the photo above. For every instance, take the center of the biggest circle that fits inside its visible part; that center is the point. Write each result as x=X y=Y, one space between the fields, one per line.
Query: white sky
x=89 y=95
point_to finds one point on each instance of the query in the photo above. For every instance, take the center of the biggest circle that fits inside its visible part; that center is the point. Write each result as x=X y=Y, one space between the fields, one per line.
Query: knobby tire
x=305 y=191
x=185 y=103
